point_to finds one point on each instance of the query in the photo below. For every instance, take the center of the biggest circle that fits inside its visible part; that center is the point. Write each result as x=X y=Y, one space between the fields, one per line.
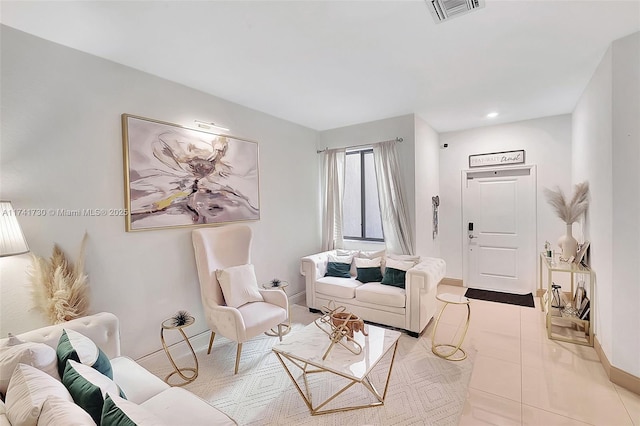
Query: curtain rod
x=364 y=144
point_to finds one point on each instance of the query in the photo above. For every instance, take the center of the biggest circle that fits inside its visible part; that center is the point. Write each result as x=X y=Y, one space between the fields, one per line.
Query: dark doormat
x=496 y=296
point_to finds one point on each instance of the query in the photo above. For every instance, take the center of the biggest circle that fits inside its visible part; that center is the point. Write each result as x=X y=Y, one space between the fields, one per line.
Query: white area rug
x=424 y=389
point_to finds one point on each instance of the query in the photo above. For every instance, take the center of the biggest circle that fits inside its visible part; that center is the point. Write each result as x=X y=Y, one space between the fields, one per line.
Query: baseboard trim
x=616 y=375
x=179 y=349
x=452 y=281
x=298 y=299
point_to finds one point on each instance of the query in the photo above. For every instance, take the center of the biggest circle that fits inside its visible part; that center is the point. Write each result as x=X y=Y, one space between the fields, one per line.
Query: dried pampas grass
x=569 y=211
x=60 y=289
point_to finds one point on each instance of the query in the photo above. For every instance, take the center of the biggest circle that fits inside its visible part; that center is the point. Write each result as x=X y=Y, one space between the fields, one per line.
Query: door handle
x=470 y=231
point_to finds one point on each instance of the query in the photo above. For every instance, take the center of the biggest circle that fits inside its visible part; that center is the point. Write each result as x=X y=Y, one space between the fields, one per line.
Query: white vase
x=568 y=244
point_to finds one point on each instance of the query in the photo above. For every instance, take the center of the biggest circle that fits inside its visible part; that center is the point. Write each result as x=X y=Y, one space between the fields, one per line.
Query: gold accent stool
x=452 y=299
x=286 y=327
x=169 y=325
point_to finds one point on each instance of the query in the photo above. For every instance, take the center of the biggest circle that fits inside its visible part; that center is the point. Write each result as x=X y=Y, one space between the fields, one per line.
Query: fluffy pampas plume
x=60 y=289
x=569 y=211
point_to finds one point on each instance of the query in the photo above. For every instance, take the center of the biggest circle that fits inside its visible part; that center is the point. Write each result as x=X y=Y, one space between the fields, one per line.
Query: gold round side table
x=451 y=299
x=286 y=327
x=188 y=378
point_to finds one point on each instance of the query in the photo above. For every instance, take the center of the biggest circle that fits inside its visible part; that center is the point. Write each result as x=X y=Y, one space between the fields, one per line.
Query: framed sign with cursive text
x=497 y=158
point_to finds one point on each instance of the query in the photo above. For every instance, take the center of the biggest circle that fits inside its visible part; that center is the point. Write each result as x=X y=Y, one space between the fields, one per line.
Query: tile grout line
x=553 y=413
x=494 y=394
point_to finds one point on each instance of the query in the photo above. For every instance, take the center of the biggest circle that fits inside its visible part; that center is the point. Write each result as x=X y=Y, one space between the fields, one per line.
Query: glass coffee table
x=303 y=350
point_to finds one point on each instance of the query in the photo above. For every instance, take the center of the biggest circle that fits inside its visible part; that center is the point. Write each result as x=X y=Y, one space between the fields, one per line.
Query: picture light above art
x=176 y=176
x=207 y=125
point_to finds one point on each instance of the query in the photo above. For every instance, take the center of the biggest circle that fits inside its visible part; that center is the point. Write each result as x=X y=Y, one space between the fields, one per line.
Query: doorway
x=499 y=229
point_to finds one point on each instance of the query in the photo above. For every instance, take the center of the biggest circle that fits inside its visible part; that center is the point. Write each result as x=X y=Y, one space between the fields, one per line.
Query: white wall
x=427 y=185
x=16 y=312
x=377 y=131
x=626 y=202
x=592 y=161
x=547 y=144
x=62 y=148
x=606 y=146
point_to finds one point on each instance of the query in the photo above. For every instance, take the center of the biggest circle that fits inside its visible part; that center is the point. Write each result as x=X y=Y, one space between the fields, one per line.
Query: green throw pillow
x=88 y=386
x=394 y=277
x=112 y=415
x=369 y=275
x=120 y=412
x=338 y=269
x=75 y=346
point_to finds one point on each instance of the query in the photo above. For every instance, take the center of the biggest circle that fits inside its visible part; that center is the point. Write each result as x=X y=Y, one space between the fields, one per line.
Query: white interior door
x=499 y=220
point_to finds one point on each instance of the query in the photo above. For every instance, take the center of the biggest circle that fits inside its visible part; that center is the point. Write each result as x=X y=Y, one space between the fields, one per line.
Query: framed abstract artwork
x=176 y=176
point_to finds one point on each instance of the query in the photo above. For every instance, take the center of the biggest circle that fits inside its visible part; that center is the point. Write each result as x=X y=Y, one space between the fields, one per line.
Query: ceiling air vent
x=443 y=10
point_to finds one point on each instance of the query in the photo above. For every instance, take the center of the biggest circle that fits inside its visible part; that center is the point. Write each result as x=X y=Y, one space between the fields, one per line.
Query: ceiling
x=327 y=64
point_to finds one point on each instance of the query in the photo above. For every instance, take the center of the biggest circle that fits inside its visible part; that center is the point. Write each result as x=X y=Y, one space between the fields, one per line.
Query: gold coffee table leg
x=318 y=409
x=454 y=347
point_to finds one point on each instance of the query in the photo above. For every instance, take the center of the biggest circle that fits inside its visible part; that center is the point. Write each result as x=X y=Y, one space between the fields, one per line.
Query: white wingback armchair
x=224 y=247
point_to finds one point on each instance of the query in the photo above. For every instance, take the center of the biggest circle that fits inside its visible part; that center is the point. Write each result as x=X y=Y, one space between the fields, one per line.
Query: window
x=361 y=210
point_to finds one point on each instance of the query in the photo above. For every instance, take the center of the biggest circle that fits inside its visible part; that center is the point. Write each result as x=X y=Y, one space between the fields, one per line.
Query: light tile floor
x=522 y=378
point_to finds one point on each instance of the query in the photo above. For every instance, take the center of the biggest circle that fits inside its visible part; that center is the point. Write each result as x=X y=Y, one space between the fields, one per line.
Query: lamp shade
x=12 y=239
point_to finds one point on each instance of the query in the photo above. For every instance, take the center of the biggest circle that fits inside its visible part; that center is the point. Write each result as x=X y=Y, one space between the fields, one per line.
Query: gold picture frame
x=175 y=176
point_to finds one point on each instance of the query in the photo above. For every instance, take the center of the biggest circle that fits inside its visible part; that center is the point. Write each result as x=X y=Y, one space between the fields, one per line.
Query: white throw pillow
x=368 y=263
x=239 y=285
x=57 y=411
x=38 y=355
x=340 y=259
x=371 y=254
x=28 y=390
x=401 y=265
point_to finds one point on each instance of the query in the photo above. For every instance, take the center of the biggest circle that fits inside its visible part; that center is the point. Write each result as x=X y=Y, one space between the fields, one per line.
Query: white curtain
x=332 y=195
x=396 y=225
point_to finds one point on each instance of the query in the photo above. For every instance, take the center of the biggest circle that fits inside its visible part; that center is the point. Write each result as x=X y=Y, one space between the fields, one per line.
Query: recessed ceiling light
x=493 y=114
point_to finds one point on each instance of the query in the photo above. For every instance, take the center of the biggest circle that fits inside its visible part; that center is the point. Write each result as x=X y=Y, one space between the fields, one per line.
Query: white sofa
x=410 y=308
x=175 y=406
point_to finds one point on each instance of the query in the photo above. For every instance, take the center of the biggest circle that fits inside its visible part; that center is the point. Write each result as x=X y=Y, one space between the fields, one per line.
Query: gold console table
x=562 y=325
